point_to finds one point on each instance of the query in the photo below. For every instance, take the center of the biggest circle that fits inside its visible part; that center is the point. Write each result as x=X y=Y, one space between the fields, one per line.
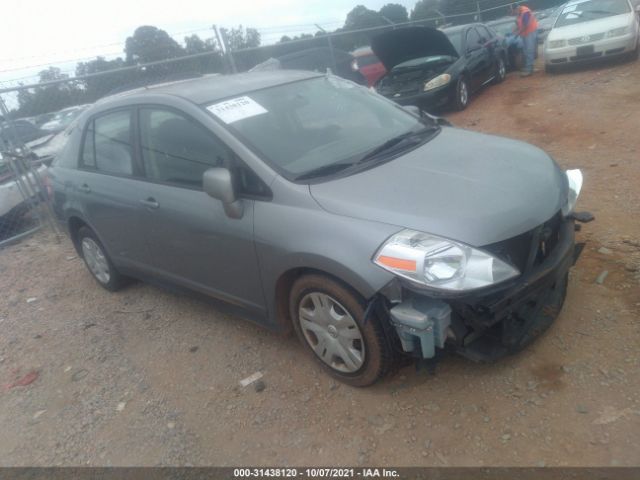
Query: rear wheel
x=329 y=320
x=97 y=261
x=462 y=94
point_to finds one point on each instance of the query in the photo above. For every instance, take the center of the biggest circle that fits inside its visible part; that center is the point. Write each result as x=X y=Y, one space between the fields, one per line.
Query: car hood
x=591 y=27
x=397 y=46
x=474 y=188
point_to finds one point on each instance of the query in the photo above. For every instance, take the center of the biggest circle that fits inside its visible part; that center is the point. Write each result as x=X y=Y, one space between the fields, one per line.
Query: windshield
x=591 y=10
x=307 y=125
x=456 y=40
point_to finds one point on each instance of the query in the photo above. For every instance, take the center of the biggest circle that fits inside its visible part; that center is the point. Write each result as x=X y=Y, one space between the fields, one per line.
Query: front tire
x=462 y=95
x=329 y=321
x=97 y=261
x=501 y=70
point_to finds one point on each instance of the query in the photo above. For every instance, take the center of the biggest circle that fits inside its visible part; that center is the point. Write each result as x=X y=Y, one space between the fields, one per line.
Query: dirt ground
x=148 y=377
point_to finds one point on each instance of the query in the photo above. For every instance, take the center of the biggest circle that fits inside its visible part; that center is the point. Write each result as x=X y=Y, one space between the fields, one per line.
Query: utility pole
x=479 y=14
x=333 y=57
x=222 y=41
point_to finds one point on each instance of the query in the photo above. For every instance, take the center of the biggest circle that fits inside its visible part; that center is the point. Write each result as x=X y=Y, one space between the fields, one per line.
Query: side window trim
x=132 y=130
x=237 y=160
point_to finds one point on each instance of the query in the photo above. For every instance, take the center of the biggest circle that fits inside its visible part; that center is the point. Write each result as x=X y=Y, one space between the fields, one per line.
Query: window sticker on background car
x=236 y=109
x=570 y=8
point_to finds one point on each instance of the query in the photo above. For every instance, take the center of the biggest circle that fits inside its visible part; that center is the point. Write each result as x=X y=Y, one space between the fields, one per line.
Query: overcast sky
x=37 y=32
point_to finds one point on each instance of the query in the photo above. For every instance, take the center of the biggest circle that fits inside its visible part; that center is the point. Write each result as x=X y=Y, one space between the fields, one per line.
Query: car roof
x=209 y=88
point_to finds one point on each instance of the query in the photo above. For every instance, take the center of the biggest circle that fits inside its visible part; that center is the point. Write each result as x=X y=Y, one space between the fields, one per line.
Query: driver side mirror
x=218 y=183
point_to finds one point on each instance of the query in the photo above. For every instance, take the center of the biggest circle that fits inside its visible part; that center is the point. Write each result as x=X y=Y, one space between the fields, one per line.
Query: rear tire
x=97 y=260
x=462 y=94
x=328 y=319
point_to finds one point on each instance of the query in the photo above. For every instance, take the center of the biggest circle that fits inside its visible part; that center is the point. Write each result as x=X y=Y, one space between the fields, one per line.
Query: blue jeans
x=530 y=46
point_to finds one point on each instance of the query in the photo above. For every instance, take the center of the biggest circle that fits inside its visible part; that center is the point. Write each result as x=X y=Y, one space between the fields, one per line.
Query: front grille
x=585 y=39
x=530 y=249
x=406 y=83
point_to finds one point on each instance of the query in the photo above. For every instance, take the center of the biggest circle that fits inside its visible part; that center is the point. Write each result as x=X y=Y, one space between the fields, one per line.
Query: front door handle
x=85 y=188
x=150 y=203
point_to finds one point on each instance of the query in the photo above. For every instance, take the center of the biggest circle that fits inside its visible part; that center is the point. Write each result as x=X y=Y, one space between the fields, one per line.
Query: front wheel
x=462 y=94
x=329 y=320
x=501 y=71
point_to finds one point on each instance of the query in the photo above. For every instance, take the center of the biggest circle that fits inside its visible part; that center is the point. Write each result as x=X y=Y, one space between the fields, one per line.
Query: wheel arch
x=351 y=281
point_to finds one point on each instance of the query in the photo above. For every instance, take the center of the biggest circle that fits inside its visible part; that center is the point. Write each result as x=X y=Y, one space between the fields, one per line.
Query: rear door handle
x=150 y=203
x=85 y=188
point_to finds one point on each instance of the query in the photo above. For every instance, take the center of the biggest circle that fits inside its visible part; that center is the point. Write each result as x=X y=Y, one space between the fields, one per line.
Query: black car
x=432 y=68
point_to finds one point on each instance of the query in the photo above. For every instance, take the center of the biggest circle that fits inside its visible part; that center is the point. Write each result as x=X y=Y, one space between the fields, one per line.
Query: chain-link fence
x=36 y=115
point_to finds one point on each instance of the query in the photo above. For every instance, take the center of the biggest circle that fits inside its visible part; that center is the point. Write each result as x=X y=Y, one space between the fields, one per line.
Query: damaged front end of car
x=483 y=303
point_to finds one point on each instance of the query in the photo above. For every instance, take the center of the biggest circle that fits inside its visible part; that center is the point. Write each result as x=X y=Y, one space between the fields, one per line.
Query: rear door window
x=473 y=39
x=107 y=143
x=177 y=149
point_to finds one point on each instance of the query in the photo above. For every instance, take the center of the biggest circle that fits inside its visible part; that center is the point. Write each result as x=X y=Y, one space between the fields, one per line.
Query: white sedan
x=587 y=30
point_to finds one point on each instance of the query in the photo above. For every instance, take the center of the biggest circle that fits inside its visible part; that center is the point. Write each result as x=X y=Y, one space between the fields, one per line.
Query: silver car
x=305 y=202
x=587 y=30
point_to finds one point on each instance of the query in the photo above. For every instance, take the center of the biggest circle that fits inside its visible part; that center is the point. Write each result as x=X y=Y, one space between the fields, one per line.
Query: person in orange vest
x=527 y=29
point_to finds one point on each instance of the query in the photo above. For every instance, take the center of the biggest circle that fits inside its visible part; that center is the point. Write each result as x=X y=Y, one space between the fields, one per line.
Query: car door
x=192 y=240
x=491 y=47
x=106 y=187
x=476 y=56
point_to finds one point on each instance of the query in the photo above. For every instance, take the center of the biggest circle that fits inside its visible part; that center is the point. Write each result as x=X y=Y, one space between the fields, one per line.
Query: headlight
x=557 y=43
x=440 y=263
x=574 y=181
x=439 y=81
x=618 y=32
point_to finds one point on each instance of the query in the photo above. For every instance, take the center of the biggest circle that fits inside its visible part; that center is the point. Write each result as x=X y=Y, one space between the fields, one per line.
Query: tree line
x=150 y=44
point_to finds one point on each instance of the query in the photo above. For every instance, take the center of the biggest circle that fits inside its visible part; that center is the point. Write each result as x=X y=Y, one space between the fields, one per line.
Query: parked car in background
x=43 y=118
x=546 y=22
x=14 y=133
x=505 y=27
x=588 y=30
x=366 y=62
x=318 y=59
x=13 y=199
x=63 y=118
x=432 y=68
x=306 y=202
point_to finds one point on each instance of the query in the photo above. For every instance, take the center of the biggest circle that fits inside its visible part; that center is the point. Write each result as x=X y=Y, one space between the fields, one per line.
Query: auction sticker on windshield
x=236 y=109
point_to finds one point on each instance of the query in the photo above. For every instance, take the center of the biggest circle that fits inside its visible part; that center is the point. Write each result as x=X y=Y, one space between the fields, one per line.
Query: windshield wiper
x=324 y=170
x=600 y=12
x=392 y=142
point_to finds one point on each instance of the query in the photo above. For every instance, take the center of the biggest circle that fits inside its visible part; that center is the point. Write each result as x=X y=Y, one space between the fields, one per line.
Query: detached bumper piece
x=496 y=321
x=422 y=325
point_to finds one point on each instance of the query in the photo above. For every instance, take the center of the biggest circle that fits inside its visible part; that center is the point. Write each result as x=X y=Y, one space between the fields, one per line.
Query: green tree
x=428 y=10
x=101 y=85
x=240 y=38
x=395 y=12
x=194 y=45
x=361 y=17
x=150 y=44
